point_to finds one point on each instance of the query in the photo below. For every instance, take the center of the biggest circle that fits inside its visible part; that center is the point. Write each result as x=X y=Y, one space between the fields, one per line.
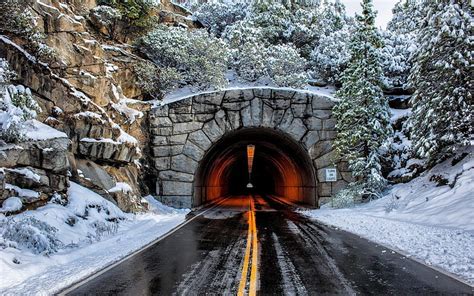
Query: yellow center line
x=253 y=273
x=252 y=246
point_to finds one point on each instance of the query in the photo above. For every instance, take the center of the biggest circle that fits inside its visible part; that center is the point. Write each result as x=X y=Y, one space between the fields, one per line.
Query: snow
x=37 y=131
x=121 y=187
x=27 y=173
x=188 y=92
x=79 y=239
x=11 y=204
x=25 y=193
x=432 y=223
x=397 y=114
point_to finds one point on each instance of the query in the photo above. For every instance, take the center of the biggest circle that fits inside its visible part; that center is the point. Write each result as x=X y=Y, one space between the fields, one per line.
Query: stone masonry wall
x=182 y=132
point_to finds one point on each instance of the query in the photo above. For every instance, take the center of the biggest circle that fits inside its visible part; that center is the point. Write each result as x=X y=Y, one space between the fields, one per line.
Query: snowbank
x=423 y=218
x=45 y=250
x=187 y=92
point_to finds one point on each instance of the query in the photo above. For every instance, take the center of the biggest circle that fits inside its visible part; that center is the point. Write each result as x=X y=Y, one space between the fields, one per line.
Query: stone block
x=160 y=140
x=192 y=150
x=300 y=110
x=264 y=93
x=282 y=94
x=320 y=148
x=161 y=122
x=178 y=139
x=329 y=124
x=176 y=149
x=256 y=106
x=314 y=124
x=183 y=163
x=234 y=119
x=322 y=103
x=162 y=163
x=209 y=98
x=200 y=139
x=187 y=117
x=175 y=176
x=326 y=160
x=286 y=120
x=300 y=98
x=204 y=117
x=246 y=116
x=177 y=188
x=160 y=151
x=297 y=129
x=180 y=202
x=160 y=111
x=324 y=189
x=321 y=114
x=328 y=135
x=310 y=139
x=237 y=95
x=212 y=130
x=186 y=127
x=235 y=106
x=161 y=131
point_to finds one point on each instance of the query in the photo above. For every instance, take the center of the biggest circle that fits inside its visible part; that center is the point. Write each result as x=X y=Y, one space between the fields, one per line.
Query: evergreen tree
x=362 y=115
x=442 y=78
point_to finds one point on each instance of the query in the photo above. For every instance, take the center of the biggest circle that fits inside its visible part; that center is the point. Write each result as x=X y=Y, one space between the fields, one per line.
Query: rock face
x=184 y=131
x=88 y=91
x=34 y=170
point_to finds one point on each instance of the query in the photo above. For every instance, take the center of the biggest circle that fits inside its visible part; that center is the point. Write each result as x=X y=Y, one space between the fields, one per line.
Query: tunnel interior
x=281 y=167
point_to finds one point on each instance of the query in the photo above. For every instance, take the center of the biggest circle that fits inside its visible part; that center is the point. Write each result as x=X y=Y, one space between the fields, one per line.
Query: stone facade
x=182 y=132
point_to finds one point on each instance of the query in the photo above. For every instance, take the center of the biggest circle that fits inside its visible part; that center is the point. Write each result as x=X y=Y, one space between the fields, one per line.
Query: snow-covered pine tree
x=362 y=115
x=442 y=77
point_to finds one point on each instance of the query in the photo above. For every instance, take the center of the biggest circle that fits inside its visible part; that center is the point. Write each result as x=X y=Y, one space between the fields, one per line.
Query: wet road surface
x=259 y=244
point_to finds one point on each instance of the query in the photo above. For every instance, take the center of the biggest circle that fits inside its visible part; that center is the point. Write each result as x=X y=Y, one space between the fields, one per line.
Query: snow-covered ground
x=431 y=222
x=45 y=250
x=234 y=83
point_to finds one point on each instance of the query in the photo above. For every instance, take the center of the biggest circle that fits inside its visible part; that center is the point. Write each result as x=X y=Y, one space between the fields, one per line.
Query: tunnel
x=281 y=167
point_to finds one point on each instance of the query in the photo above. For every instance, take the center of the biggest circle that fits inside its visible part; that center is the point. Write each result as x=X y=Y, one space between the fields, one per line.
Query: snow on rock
x=430 y=218
x=37 y=131
x=121 y=187
x=79 y=239
x=11 y=204
x=159 y=208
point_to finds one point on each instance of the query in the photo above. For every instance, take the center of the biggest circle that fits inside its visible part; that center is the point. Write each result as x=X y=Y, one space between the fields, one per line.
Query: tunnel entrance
x=281 y=167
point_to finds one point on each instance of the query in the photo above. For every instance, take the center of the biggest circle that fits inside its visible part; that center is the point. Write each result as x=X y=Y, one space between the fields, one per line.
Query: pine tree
x=362 y=115
x=442 y=78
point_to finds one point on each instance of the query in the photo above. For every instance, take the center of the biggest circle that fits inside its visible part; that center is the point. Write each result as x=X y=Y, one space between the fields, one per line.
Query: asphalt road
x=259 y=245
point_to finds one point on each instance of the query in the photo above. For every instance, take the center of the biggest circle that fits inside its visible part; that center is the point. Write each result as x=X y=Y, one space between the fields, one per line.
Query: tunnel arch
x=282 y=167
x=185 y=135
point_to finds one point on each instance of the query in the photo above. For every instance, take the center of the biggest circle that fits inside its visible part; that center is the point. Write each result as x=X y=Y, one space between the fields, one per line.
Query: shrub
x=286 y=67
x=135 y=12
x=106 y=17
x=17 y=18
x=329 y=59
x=16 y=105
x=155 y=81
x=216 y=16
x=32 y=234
x=199 y=59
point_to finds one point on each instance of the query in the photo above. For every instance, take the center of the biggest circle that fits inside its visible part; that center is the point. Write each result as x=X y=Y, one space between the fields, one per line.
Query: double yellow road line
x=251 y=249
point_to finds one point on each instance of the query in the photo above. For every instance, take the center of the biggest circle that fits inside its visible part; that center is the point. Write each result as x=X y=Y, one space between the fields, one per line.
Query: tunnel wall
x=184 y=131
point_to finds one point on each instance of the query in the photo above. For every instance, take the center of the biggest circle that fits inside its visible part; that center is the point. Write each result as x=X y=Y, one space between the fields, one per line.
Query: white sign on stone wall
x=331 y=175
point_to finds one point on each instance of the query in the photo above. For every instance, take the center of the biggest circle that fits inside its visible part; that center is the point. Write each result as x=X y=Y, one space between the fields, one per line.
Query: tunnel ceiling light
x=250 y=156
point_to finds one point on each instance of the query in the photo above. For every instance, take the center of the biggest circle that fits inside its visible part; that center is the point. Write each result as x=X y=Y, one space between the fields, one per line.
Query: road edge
x=75 y=285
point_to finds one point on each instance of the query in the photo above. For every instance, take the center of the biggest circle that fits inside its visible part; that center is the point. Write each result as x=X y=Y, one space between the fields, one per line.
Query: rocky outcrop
x=35 y=169
x=86 y=93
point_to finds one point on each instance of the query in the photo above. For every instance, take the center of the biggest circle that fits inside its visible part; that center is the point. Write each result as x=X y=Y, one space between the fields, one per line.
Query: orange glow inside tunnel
x=278 y=166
